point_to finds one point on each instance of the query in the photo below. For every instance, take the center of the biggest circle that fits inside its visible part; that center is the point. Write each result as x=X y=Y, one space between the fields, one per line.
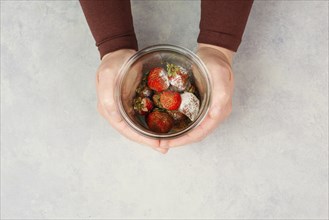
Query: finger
x=222 y=90
x=200 y=132
x=129 y=86
x=105 y=83
x=161 y=150
x=105 y=90
x=164 y=143
x=100 y=110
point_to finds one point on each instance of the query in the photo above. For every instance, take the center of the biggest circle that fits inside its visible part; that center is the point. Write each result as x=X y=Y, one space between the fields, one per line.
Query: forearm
x=111 y=24
x=223 y=22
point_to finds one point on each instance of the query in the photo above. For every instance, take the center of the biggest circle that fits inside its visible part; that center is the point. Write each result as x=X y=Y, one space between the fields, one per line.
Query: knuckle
x=229 y=108
x=108 y=103
x=100 y=110
x=224 y=97
x=97 y=78
x=199 y=139
x=104 y=72
x=223 y=69
x=200 y=135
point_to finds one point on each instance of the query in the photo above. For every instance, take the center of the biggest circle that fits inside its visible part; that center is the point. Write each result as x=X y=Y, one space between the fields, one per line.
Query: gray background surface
x=60 y=159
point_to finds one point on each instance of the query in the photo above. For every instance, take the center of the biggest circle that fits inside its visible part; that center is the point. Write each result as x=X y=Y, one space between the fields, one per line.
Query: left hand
x=105 y=85
x=218 y=61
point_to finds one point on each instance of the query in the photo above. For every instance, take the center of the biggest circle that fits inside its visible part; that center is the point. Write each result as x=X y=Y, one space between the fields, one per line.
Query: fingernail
x=163 y=151
x=215 y=112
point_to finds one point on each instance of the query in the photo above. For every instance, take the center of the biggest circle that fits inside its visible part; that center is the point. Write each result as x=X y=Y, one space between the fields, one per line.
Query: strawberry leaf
x=172 y=70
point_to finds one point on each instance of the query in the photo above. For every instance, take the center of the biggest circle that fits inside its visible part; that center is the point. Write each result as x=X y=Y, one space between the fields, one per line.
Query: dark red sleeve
x=223 y=22
x=111 y=24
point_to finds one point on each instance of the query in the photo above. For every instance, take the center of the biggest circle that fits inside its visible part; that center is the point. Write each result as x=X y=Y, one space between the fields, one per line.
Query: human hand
x=105 y=84
x=218 y=61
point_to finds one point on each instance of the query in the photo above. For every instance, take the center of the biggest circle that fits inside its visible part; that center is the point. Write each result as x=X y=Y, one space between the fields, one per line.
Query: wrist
x=118 y=53
x=229 y=54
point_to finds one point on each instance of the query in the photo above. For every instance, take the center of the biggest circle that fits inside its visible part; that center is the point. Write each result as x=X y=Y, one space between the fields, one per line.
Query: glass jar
x=130 y=75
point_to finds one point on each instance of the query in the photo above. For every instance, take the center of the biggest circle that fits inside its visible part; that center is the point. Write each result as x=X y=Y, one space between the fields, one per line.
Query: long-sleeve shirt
x=222 y=23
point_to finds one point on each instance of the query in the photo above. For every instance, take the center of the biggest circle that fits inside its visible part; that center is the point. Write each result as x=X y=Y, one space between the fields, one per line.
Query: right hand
x=105 y=85
x=218 y=61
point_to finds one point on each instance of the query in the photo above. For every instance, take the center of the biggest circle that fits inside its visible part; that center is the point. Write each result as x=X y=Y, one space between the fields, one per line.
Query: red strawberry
x=158 y=79
x=170 y=100
x=159 y=121
x=143 y=105
x=178 y=77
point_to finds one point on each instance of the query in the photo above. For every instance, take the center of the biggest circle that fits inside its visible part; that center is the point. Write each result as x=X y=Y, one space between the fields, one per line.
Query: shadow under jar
x=133 y=71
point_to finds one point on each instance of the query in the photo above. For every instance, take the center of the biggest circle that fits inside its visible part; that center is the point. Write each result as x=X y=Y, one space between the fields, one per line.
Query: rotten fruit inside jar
x=167 y=99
